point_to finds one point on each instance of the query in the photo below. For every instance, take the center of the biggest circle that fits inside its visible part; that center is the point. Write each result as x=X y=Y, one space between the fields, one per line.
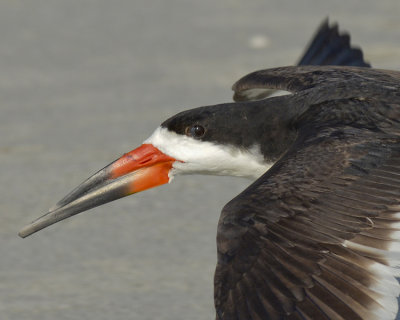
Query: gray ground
x=82 y=82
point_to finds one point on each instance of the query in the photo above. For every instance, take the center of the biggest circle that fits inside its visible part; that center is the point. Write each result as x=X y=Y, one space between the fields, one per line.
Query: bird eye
x=195 y=131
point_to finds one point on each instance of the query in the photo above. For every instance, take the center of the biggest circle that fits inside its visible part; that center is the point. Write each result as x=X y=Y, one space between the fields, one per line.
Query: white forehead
x=205 y=157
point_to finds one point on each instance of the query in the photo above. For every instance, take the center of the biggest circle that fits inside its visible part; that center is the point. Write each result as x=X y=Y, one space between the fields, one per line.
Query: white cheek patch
x=205 y=157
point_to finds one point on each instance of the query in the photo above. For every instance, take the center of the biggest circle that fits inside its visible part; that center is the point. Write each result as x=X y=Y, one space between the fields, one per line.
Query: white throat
x=205 y=157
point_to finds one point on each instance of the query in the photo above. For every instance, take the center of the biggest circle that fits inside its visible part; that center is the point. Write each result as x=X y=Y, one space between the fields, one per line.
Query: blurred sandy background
x=82 y=82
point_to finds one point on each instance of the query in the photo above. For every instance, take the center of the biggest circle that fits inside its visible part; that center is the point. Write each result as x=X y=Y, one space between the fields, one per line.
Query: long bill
x=140 y=169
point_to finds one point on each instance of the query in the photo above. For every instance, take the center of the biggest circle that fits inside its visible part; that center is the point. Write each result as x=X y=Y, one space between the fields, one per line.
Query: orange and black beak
x=140 y=169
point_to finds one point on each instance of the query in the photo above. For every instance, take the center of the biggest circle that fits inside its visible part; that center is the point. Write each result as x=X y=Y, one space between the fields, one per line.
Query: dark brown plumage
x=302 y=241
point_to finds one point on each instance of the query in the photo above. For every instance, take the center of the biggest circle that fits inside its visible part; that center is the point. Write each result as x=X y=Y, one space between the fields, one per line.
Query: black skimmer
x=316 y=236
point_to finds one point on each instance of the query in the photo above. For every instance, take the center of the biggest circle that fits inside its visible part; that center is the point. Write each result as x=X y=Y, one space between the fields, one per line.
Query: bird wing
x=300 y=78
x=327 y=47
x=317 y=236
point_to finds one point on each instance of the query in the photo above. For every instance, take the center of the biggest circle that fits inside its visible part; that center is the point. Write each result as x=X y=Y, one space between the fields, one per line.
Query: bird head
x=235 y=139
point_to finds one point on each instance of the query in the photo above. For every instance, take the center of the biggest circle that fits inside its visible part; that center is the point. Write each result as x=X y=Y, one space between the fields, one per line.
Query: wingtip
x=329 y=46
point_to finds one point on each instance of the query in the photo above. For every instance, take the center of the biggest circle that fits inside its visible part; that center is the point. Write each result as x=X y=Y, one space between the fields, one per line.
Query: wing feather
x=329 y=47
x=300 y=78
x=317 y=236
